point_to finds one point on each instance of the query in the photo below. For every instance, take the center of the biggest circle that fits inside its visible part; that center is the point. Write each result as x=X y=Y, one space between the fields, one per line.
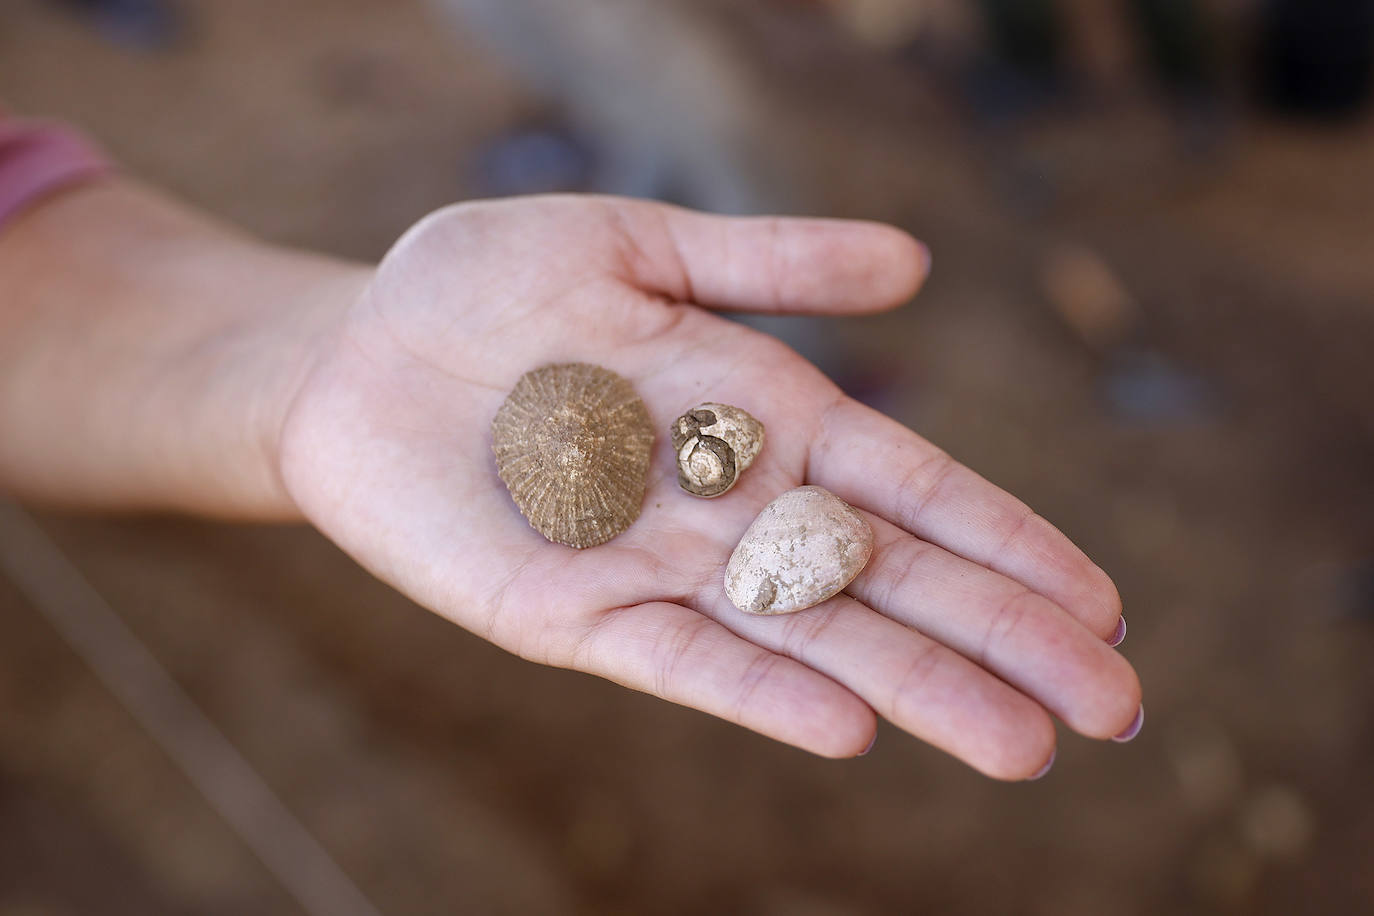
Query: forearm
x=148 y=354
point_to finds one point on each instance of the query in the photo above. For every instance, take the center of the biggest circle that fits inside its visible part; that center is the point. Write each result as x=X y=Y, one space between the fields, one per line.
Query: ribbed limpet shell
x=572 y=444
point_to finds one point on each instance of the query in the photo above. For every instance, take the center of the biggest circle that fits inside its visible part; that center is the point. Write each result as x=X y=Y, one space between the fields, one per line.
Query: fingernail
x=1134 y=728
x=925 y=257
x=1119 y=634
x=872 y=741
x=1044 y=769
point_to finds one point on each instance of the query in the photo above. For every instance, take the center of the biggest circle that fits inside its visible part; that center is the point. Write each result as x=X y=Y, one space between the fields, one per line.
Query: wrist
x=276 y=355
x=148 y=355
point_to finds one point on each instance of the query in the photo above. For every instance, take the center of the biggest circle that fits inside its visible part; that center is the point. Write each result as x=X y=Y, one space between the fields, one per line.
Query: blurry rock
x=1277 y=823
x=891 y=24
x=1088 y=296
x=533 y=161
x=1139 y=384
x=1143 y=386
x=884 y=23
x=1206 y=764
x=674 y=107
x=142 y=24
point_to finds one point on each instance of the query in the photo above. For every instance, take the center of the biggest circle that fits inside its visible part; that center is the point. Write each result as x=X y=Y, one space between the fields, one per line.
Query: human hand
x=974 y=622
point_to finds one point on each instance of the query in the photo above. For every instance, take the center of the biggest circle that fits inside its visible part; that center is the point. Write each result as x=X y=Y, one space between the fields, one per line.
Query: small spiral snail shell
x=714 y=443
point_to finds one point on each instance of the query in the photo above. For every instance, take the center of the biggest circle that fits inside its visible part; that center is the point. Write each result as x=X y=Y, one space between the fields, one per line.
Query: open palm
x=973 y=623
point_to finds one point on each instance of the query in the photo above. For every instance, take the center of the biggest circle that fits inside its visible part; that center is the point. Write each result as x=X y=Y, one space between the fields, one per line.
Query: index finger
x=878 y=464
x=769 y=264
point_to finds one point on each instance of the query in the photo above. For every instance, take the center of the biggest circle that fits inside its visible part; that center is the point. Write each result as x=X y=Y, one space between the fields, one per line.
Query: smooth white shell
x=804 y=547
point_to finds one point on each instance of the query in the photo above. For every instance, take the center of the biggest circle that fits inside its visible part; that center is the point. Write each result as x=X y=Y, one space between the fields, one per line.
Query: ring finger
x=1017 y=634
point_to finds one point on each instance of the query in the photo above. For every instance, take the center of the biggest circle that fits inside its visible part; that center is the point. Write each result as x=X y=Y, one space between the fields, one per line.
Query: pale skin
x=151 y=359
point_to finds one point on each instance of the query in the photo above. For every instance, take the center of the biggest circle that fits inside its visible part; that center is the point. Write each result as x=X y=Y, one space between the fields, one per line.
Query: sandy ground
x=445 y=776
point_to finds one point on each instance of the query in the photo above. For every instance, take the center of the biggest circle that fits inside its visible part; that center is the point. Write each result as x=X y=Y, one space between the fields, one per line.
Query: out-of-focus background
x=1151 y=315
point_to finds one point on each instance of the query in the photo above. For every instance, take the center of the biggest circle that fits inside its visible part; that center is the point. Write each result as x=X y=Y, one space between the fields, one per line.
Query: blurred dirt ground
x=1216 y=458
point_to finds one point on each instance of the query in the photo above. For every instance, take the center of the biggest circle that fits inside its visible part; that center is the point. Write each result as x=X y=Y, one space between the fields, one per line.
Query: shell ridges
x=572 y=443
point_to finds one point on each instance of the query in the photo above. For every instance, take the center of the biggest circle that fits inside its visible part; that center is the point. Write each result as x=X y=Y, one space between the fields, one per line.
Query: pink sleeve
x=37 y=158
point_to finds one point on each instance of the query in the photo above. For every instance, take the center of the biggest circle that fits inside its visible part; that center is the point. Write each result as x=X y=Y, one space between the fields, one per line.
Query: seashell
x=804 y=547
x=714 y=443
x=572 y=444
